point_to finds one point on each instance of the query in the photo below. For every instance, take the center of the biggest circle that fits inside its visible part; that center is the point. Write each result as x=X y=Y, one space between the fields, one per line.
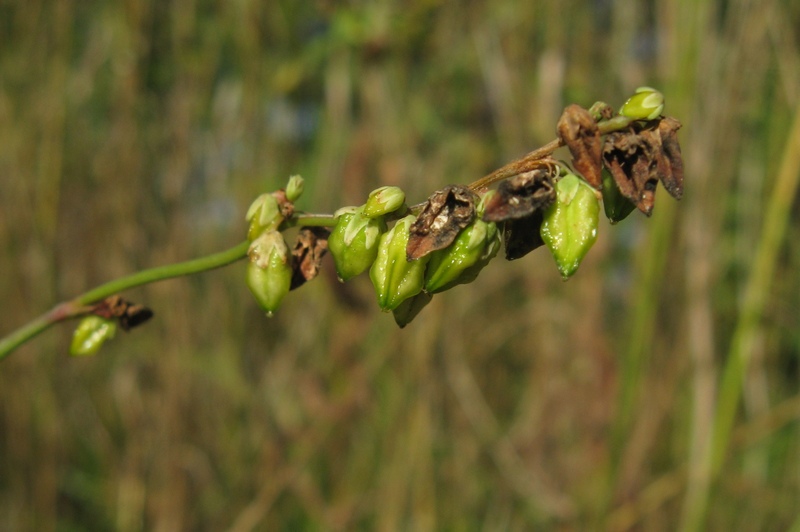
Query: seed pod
x=570 y=225
x=90 y=334
x=126 y=313
x=616 y=206
x=578 y=130
x=384 y=200
x=444 y=215
x=310 y=247
x=353 y=243
x=394 y=277
x=646 y=104
x=263 y=215
x=269 y=273
x=408 y=309
x=294 y=188
x=460 y=263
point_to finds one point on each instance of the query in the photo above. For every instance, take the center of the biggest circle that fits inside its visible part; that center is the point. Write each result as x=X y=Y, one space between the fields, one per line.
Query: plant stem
x=307 y=219
x=78 y=306
x=31 y=329
x=536 y=158
x=525 y=163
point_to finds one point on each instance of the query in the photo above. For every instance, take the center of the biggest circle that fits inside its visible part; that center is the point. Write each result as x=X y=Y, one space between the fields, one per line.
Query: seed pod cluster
x=414 y=253
x=273 y=270
x=445 y=245
x=625 y=167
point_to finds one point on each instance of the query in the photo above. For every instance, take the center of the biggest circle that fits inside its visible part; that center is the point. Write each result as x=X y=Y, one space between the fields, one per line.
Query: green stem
x=34 y=327
x=78 y=306
x=305 y=219
x=217 y=260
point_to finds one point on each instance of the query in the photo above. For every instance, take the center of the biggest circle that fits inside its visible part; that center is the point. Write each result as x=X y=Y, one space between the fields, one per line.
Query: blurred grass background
x=134 y=134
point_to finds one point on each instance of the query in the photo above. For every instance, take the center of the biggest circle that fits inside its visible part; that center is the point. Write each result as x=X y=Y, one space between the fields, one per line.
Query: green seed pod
x=384 y=200
x=269 y=272
x=616 y=206
x=646 y=104
x=353 y=243
x=90 y=334
x=408 y=309
x=461 y=262
x=394 y=277
x=263 y=215
x=294 y=188
x=569 y=227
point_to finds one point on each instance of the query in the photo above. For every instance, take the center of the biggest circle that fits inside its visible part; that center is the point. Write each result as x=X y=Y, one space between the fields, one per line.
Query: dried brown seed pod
x=128 y=314
x=641 y=157
x=444 y=215
x=578 y=130
x=522 y=195
x=671 y=167
x=631 y=162
x=309 y=248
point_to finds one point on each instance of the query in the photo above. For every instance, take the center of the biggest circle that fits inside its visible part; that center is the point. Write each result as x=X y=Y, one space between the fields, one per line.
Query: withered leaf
x=578 y=130
x=521 y=196
x=522 y=236
x=127 y=314
x=444 y=215
x=309 y=248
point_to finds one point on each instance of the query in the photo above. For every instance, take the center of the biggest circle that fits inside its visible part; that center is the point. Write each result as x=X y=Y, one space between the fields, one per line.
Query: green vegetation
x=658 y=389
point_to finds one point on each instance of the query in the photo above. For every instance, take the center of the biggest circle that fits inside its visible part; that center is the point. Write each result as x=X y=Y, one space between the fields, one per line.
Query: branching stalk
x=81 y=305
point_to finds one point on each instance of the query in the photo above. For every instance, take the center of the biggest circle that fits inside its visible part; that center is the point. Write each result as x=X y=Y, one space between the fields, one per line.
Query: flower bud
x=394 y=277
x=616 y=206
x=269 y=272
x=460 y=263
x=294 y=188
x=90 y=334
x=646 y=104
x=353 y=243
x=569 y=227
x=263 y=215
x=384 y=200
